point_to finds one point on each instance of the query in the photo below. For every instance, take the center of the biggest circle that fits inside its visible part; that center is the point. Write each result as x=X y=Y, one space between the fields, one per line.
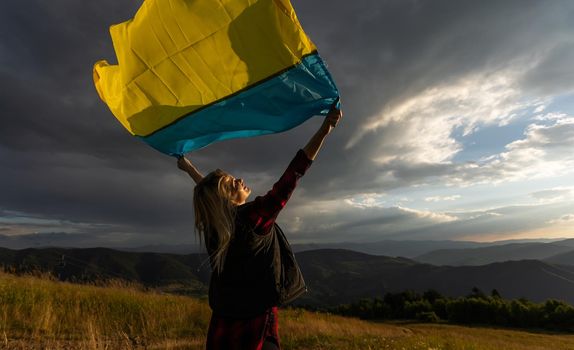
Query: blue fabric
x=275 y=105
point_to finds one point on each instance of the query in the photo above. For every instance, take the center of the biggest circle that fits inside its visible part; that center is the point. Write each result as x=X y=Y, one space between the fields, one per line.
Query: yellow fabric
x=176 y=56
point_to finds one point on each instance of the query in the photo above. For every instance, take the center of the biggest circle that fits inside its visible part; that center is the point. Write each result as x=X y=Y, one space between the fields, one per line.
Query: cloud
x=443 y=198
x=416 y=142
x=417 y=136
x=337 y=220
x=412 y=74
x=567 y=219
x=545 y=151
x=425 y=214
x=557 y=194
x=16 y=223
x=554 y=116
x=21 y=230
x=553 y=74
x=430 y=117
x=367 y=200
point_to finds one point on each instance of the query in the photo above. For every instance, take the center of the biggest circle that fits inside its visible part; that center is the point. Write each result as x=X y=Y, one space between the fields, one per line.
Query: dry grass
x=62 y=315
x=38 y=313
x=305 y=330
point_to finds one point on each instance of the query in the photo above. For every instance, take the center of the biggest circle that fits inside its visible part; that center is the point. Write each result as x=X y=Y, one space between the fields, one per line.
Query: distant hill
x=72 y=241
x=566 y=242
x=333 y=275
x=390 y=247
x=164 y=248
x=562 y=259
x=500 y=253
x=92 y=264
x=409 y=249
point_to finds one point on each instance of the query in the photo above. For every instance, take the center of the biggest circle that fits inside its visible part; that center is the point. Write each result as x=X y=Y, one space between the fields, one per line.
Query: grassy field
x=38 y=313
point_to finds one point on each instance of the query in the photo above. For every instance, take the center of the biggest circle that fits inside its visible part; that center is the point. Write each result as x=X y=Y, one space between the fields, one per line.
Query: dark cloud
x=64 y=156
x=500 y=222
x=554 y=74
x=383 y=52
x=377 y=223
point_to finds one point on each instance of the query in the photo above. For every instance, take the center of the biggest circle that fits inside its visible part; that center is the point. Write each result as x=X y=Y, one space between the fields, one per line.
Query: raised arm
x=330 y=122
x=263 y=211
x=185 y=165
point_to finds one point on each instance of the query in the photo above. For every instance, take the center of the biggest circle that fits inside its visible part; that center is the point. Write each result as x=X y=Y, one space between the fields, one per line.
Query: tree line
x=475 y=308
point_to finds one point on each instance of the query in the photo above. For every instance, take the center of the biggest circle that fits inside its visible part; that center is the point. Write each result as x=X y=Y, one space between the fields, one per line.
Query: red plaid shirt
x=263 y=210
x=243 y=334
x=249 y=334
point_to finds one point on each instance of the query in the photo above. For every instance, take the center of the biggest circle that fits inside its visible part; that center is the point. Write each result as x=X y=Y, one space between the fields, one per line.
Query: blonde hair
x=214 y=216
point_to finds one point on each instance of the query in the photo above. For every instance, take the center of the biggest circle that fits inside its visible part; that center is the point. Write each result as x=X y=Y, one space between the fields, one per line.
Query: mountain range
x=336 y=276
x=405 y=248
x=558 y=252
x=333 y=276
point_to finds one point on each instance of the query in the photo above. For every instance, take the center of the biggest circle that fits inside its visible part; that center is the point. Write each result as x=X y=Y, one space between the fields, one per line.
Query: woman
x=253 y=267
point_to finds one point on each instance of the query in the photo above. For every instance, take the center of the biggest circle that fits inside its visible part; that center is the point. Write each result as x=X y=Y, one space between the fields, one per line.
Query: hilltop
x=42 y=313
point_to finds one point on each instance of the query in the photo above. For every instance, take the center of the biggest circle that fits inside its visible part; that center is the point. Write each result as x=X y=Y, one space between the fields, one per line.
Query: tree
x=431 y=295
x=477 y=293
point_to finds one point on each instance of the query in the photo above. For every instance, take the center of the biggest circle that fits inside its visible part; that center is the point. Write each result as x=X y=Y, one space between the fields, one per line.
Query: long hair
x=214 y=216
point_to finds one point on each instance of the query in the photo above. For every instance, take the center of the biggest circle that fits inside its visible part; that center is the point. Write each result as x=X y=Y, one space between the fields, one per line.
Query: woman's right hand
x=184 y=164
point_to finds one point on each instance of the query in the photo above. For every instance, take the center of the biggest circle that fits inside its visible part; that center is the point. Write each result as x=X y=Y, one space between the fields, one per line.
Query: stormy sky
x=458 y=124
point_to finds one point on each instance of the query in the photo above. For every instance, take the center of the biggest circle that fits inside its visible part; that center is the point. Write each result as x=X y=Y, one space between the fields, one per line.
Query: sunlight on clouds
x=567 y=219
x=540 y=108
x=554 y=116
x=553 y=231
x=14 y=223
x=423 y=214
x=546 y=151
x=294 y=225
x=341 y=219
x=367 y=200
x=425 y=122
x=483 y=215
x=554 y=195
x=444 y=198
x=416 y=136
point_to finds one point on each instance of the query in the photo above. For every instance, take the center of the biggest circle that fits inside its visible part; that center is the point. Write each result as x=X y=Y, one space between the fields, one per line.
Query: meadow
x=40 y=313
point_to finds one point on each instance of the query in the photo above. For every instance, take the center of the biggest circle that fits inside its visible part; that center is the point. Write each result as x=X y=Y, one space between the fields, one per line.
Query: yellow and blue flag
x=193 y=72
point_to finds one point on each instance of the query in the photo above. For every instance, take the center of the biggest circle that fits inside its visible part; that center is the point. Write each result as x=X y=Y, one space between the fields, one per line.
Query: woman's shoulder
x=243 y=215
x=243 y=210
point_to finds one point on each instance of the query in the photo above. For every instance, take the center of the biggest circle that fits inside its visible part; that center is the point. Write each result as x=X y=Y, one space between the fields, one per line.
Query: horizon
x=458 y=126
x=43 y=242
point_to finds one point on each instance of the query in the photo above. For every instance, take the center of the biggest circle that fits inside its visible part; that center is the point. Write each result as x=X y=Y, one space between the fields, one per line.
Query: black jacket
x=260 y=271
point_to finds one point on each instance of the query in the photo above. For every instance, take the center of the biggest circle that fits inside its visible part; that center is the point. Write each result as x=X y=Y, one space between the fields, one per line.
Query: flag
x=193 y=72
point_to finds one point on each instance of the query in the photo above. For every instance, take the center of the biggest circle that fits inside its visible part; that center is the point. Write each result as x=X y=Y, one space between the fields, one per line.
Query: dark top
x=260 y=269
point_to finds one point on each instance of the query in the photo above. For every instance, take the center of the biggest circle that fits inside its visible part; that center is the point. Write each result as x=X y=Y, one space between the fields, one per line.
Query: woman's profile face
x=237 y=188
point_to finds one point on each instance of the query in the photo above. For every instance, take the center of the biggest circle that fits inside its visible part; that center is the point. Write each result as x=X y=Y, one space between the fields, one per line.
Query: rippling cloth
x=190 y=73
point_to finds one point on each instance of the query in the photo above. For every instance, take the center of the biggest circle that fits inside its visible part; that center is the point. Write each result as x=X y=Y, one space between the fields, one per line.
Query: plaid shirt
x=263 y=210
x=243 y=334
x=249 y=334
